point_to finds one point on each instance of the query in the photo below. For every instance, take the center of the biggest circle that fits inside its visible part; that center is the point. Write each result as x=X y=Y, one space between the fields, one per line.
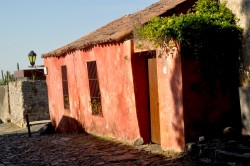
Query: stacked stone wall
x=16 y=102
x=241 y=8
x=28 y=97
x=4 y=104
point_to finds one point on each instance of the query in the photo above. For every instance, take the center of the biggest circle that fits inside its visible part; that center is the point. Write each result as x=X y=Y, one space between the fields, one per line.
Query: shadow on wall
x=245 y=91
x=139 y=63
x=35 y=100
x=68 y=125
x=210 y=89
x=211 y=101
x=178 y=106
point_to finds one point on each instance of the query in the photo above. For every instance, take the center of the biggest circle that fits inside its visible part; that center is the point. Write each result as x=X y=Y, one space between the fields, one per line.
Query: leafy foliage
x=193 y=29
x=96 y=107
x=207 y=33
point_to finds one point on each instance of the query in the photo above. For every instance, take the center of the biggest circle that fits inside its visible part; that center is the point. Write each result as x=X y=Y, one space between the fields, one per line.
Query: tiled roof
x=117 y=30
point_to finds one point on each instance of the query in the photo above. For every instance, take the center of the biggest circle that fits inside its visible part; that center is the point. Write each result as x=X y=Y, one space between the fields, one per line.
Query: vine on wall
x=208 y=33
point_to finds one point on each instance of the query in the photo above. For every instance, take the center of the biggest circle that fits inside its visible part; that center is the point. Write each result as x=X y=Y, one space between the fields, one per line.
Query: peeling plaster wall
x=117 y=90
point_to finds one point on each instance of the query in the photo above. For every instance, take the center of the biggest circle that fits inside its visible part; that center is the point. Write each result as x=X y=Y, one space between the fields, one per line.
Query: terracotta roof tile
x=118 y=29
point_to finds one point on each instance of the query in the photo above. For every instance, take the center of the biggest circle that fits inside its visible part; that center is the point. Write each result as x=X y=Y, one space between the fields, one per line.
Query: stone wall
x=245 y=105
x=241 y=8
x=28 y=97
x=4 y=106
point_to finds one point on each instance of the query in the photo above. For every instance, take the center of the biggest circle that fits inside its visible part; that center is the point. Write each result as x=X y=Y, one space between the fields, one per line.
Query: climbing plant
x=207 y=33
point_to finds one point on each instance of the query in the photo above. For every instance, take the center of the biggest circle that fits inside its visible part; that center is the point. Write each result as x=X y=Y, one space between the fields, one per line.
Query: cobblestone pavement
x=77 y=149
x=16 y=148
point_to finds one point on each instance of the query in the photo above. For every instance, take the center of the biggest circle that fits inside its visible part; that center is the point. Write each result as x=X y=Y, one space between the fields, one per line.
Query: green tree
x=6 y=78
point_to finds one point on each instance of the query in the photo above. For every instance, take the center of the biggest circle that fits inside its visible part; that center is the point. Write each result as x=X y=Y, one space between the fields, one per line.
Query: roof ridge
x=117 y=29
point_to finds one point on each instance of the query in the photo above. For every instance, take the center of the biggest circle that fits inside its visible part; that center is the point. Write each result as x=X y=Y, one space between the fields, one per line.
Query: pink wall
x=124 y=86
x=184 y=97
x=117 y=90
x=170 y=103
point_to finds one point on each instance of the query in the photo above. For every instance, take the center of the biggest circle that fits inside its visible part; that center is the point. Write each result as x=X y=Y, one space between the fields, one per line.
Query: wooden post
x=28 y=124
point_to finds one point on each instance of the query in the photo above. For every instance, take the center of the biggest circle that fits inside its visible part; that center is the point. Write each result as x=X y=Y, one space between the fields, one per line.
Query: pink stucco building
x=104 y=85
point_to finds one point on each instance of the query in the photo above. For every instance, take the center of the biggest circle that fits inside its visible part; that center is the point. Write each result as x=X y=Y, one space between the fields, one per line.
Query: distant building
x=29 y=74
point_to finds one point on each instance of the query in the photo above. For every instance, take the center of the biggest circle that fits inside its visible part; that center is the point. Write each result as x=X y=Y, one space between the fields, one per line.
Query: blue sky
x=45 y=25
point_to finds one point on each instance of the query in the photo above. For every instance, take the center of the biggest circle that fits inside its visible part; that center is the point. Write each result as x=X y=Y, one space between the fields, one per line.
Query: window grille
x=95 y=94
x=65 y=87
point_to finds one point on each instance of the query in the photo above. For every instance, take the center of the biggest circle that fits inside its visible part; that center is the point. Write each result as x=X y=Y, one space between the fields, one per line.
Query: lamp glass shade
x=32 y=58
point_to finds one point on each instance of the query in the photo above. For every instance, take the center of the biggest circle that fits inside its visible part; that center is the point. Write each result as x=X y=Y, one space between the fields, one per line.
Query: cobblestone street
x=17 y=148
x=76 y=149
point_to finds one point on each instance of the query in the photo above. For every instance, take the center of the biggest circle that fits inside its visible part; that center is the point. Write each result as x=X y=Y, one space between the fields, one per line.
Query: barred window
x=95 y=94
x=65 y=87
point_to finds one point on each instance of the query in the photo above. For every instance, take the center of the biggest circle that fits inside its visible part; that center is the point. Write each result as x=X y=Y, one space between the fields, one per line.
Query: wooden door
x=154 y=101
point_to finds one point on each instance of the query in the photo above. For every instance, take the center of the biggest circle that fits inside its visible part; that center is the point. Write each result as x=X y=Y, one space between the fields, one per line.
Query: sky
x=45 y=25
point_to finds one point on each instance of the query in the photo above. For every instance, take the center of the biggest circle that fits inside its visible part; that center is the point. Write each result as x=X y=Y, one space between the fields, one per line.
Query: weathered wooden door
x=154 y=101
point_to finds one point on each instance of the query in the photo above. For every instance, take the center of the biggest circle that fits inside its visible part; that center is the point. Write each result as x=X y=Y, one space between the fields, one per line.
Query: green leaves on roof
x=203 y=23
